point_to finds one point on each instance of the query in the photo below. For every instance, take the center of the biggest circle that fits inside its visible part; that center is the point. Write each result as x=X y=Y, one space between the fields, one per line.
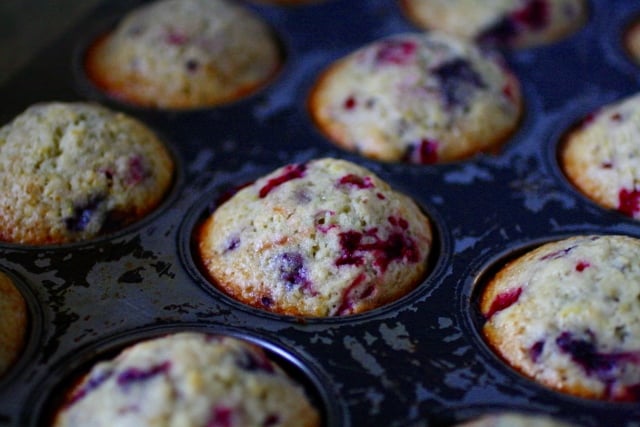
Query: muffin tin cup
x=72 y=367
x=418 y=361
x=203 y=207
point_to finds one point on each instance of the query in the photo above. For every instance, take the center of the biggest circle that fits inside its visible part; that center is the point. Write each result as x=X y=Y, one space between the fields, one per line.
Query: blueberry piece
x=95 y=381
x=536 y=350
x=232 y=243
x=458 y=80
x=83 y=213
x=192 y=65
x=292 y=269
x=134 y=375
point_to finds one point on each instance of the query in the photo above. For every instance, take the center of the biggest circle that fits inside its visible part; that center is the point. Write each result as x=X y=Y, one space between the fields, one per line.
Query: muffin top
x=185 y=54
x=13 y=322
x=506 y=23
x=188 y=379
x=601 y=157
x=72 y=171
x=567 y=314
x=418 y=98
x=322 y=238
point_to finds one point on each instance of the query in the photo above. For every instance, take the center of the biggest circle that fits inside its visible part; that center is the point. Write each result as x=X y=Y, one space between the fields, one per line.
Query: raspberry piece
x=353 y=293
x=630 y=393
x=534 y=14
x=503 y=300
x=221 y=416
x=396 y=247
x=137 y=171
x=176 y=39
x=271 y=420
x=395 y=52
x=349 y=103
x=582 y=265
x=629 y=201
x=290 y=172
x=423 y=153
x=356 y=181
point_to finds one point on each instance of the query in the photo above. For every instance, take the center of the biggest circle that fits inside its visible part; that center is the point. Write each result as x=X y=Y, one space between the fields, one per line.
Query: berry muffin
x=322 y=238
x=417 y=98
x=508 y=419
x=567 y=314
x=181 y=54
x=72 y=171
x=13 y=323
x=505 y=23
x=601 y=156
x=188 y=379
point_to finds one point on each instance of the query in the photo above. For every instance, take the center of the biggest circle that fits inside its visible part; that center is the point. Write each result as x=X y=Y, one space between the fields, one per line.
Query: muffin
x=73 y=171
x=567 y=315
x=188 y=379
x=505 y=23
x=509 y=419
x=418 y=98
x=181 y=54
x=13 y=323
x=322 y=238
x=601 y=157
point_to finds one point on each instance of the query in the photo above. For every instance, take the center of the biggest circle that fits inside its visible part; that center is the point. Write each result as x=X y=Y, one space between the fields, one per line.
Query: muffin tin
x=420 y=361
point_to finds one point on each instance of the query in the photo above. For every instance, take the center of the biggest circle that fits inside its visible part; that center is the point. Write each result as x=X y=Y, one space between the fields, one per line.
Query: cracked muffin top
x=322 y=238
x=73 y=171
x=417 y=98
x=567 y=315
x=182 y=54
